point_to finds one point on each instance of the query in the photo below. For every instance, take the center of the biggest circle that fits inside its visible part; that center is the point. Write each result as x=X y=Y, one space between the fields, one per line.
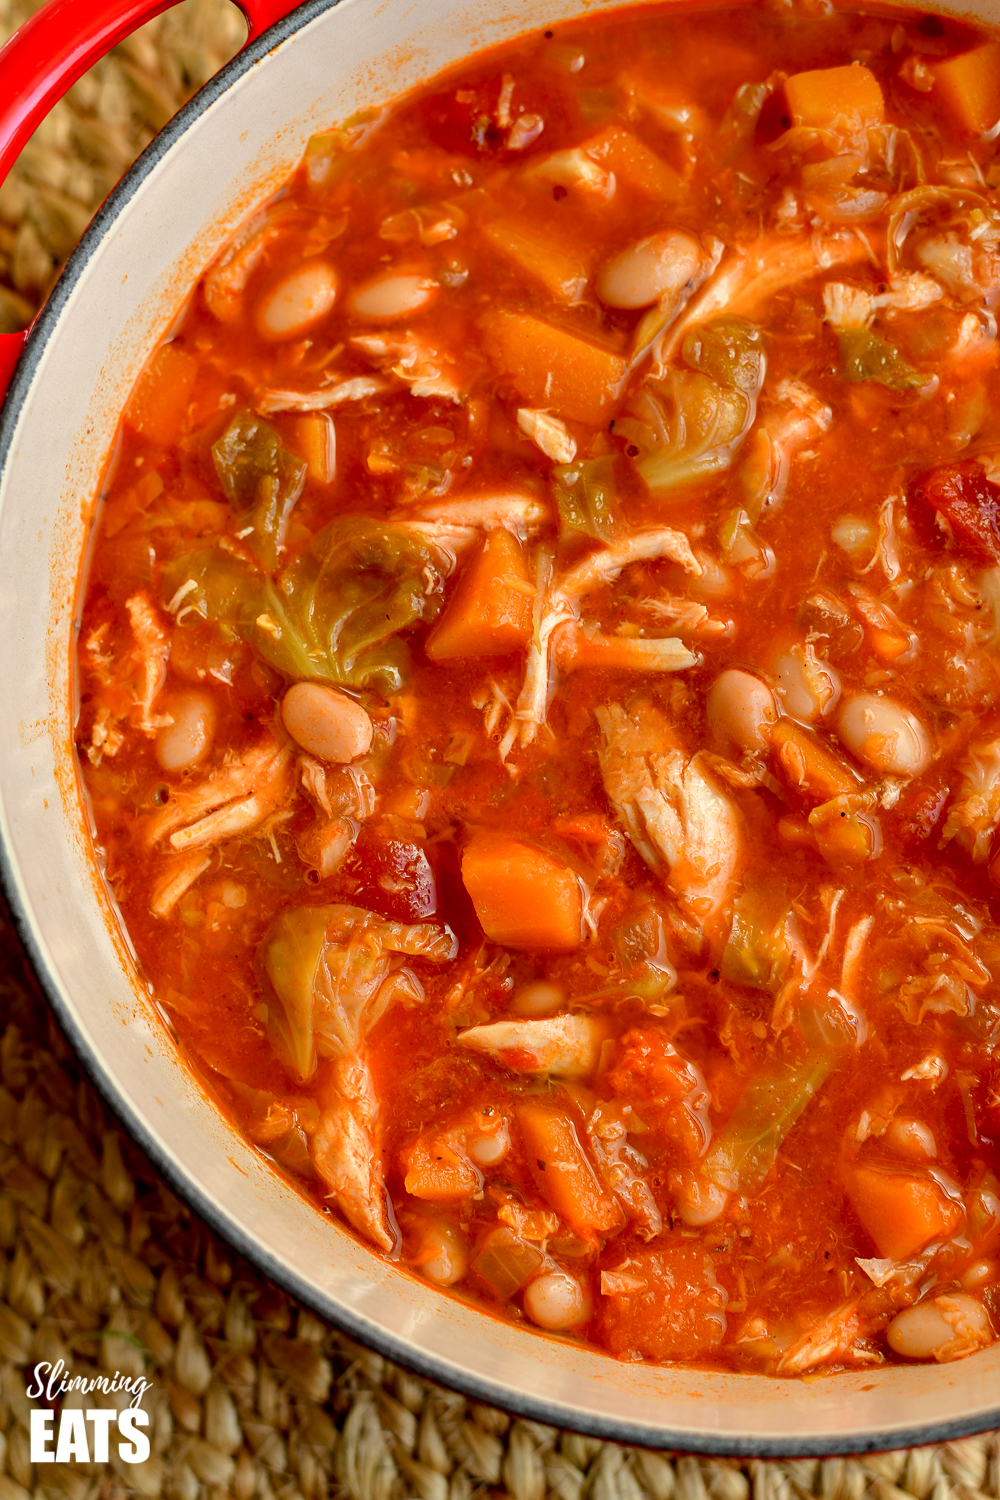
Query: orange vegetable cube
x=158 y=405
x=314 y=439
x=438 y=1170
x=808 y=765
x=633 y=164
x=563 y=1171
x=560 y=268
x=551 y=367
x=524 y=897
x=846 y=98
x=489 y=614
x=968 y=86
x=903 y=1214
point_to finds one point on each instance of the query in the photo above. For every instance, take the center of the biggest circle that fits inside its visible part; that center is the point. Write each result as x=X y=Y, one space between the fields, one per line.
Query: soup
x=539 y=683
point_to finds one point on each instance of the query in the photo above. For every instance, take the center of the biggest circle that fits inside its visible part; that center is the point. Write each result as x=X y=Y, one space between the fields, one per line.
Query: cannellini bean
x=555 y=1301
x=715 y=580
x=980 y=1273
x=490 y=1148
x=741 y=710
x=540 y=997
x=855 y=536
x=912 y=1139
x=806 y=694
x=442 y=1257
x=326 y=723
x=884 y=735
x=940 y=1327
x=698 y=1200
x=393 y=295
x=652 y=268
x=298 y=302
x=182 y=745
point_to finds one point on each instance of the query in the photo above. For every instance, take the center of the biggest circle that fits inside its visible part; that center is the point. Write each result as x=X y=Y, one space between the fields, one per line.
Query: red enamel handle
x=46 y=57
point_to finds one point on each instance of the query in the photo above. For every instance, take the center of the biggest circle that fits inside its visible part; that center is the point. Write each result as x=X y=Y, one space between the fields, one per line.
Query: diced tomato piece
x=664 y=1304
x=969 y=505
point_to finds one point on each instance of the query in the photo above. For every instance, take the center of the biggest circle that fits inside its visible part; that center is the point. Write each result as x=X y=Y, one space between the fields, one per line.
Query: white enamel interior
x=59 y=425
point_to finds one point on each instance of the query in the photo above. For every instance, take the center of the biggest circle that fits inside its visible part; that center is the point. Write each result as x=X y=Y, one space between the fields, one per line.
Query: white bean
x=393 y=295
x=650 y=269
x=806 y=694
x=740 y=710
x=298 y=302
x=490 y=1148
x=698 y=1200
x=928 y=1330
x=182 y=745
x=326 y=723
x=539 y=997
x=443 y=1259
x=980 y=1273
x=855 y=536
x=884 y=735
x=555 y=1301
x=912 y=1139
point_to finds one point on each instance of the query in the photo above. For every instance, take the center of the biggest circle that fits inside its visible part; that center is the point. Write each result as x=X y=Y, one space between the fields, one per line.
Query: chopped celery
x=730 y=350
x=259 y=475
x=760 y=949
x=746 y=1150
x=738 y=124
x=586 y=496
x=505 y=1262
x=334 y=614
x=865 y=355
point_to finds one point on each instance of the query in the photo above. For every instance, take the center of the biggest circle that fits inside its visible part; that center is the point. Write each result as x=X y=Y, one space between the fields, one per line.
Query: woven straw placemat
x=103 y=1267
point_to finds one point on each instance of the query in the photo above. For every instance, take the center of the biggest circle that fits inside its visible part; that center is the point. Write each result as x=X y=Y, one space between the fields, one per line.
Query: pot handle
x=47 y=55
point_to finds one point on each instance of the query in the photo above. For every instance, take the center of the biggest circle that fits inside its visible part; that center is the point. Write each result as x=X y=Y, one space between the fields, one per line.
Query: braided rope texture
x=103 y=1267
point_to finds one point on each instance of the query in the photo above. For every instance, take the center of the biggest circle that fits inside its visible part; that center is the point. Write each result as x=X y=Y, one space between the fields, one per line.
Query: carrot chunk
x=552 y=367
x=560 y=268
x=489 y=613
x=835 y=98
x=968 y=86
x=810 y=767
x=524 y=897
x=314 y=438
x=633 y=164
x=159 y=403
x=902 y=1214
x=563 y=1171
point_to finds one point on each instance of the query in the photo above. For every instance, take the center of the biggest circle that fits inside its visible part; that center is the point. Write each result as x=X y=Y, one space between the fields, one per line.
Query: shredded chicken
x=674 y=811
x=560 y=1046
x=152 y=650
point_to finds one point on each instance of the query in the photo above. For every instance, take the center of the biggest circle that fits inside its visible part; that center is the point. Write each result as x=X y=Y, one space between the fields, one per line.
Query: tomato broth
x=540 y=683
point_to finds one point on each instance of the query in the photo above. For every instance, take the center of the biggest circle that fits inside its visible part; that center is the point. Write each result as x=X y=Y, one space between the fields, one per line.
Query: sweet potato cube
x=634 y=165
x=560 y=267
x=563 y=1171
x=314 y=438
x=524 y=897
x=551 y=367
x=158 y=405
x=846 y=98
x=968 y=86
x=489 y=614
x=903 y=1214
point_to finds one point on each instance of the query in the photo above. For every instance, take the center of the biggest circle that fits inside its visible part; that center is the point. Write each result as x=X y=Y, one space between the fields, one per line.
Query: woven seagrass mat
x=103 y=1267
